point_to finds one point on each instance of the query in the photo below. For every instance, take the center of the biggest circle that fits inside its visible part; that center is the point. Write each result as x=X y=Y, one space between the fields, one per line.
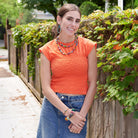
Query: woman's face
x=69 y=23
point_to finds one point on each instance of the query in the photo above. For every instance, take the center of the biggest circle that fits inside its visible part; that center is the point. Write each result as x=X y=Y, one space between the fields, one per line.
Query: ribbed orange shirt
x=69 y=72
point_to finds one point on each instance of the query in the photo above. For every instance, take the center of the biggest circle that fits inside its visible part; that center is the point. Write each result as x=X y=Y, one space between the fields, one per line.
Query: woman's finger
x=75 y=129
x=70 y=126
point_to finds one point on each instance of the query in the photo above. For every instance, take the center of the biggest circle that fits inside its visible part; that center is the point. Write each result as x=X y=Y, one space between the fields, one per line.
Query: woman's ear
x=58 y=19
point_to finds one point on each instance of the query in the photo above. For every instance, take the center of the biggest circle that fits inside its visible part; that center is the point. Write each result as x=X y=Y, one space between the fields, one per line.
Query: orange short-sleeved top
x=69 y=72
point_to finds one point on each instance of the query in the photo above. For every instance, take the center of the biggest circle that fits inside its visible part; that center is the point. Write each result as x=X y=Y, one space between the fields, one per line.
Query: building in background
x=40 y=15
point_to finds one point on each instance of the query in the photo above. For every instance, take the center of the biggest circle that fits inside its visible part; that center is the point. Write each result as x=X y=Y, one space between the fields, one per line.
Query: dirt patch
x=25 y=103
x=5 y=73
x=22 y=97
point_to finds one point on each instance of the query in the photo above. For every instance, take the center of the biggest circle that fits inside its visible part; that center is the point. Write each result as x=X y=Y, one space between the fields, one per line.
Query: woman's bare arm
x=46 y=89
x=92 y=77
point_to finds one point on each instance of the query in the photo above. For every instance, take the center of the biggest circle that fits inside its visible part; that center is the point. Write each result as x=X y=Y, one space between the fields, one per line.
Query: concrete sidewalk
x=19 y=109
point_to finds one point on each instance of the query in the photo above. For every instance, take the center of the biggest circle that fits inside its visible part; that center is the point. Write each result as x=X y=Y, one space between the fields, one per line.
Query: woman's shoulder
x=48 y=46
x=50 y=43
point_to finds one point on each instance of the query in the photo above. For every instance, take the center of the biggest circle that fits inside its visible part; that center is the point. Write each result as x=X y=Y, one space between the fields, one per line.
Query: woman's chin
x=70 y=34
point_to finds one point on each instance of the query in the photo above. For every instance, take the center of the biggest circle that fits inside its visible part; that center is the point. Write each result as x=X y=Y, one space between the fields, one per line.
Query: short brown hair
x=66 y=8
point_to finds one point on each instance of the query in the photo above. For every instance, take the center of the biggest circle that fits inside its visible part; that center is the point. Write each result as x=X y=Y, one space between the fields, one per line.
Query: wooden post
x=5 y=40
x=120 y=4
x=106 y=5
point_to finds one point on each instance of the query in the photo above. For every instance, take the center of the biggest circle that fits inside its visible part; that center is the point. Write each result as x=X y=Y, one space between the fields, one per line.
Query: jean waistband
x=71 y=98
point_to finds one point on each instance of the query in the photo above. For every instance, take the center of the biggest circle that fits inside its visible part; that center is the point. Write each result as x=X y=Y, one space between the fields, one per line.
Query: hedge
x=117 y=35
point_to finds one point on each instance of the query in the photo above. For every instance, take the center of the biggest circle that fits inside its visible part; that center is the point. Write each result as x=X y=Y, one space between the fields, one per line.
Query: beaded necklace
x=60 y=43
x=64 y=46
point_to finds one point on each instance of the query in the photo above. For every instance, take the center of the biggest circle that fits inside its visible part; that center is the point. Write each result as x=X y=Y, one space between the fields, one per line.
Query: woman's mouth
x=71 y=29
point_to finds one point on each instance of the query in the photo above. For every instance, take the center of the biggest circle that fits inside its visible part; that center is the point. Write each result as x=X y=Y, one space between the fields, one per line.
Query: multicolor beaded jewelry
x=59 y=44
x=70 y=115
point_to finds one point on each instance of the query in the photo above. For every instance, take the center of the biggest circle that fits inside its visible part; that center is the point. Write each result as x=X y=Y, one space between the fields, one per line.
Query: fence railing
x=105 y=120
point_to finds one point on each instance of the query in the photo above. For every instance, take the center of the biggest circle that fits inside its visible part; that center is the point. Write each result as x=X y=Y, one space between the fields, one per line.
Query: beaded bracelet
x=70 y=115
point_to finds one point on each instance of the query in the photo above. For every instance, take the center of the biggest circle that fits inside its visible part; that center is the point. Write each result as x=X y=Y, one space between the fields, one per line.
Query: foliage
x=35 y=36
x=43 y=5
x=26 y=17
x=53 y=5
x=116 y=33
x=14 y=70
x=130 y=4
x=8 y=9
x=12 y=10
x=2 y=31
x=126 y=4
x=77 y=2
x=50 y=6
x=88 y=7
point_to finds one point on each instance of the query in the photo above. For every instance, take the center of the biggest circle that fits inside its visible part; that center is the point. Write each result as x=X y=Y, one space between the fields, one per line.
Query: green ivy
x=117 y=59
x=116 y=33
x=35 y=36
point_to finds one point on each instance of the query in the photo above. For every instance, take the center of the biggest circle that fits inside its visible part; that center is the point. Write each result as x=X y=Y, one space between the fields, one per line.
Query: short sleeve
x=89 y=46
x=46 y=51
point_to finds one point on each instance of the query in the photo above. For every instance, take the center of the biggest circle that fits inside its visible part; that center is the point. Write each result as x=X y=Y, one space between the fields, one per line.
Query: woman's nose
x=73 y=23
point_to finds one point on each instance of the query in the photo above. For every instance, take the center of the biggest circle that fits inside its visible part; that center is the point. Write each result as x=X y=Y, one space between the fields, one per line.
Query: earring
x=58 y=29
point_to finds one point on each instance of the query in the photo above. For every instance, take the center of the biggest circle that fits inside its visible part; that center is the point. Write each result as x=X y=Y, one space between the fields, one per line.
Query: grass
x=2 y=47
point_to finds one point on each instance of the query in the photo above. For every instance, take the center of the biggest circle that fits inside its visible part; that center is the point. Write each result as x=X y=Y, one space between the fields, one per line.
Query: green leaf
x=107 y=68
x=100 y=28
x=108 y=22
x=100 y=64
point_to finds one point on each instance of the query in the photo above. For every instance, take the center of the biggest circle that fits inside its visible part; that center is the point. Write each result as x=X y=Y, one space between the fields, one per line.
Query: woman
x=73 y=63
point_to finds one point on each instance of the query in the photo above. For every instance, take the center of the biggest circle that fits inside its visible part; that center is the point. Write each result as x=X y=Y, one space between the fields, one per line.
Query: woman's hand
x=72 y=128
x=77 y=120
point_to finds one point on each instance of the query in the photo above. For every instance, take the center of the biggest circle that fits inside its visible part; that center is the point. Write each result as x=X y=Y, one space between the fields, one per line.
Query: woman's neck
x=66 y=39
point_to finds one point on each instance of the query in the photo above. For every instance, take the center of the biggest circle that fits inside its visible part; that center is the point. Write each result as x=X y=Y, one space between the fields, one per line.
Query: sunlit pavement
x=19 y=109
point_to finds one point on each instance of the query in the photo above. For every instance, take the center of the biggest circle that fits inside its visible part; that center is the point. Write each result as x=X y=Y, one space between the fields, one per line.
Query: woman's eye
x=77 y=21
x=69 y=19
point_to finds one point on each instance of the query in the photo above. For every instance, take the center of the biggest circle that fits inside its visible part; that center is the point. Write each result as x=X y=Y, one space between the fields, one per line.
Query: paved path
x=19 y=109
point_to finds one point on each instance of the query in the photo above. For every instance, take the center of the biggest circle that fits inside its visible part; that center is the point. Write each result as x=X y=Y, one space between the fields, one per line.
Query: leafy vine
x=116 y=33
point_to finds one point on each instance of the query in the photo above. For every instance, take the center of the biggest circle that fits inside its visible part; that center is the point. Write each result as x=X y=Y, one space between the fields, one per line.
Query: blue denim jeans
x=52 y=122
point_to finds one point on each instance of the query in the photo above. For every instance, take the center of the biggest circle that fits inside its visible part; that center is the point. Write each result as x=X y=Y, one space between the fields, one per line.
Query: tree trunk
x=106 y=5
